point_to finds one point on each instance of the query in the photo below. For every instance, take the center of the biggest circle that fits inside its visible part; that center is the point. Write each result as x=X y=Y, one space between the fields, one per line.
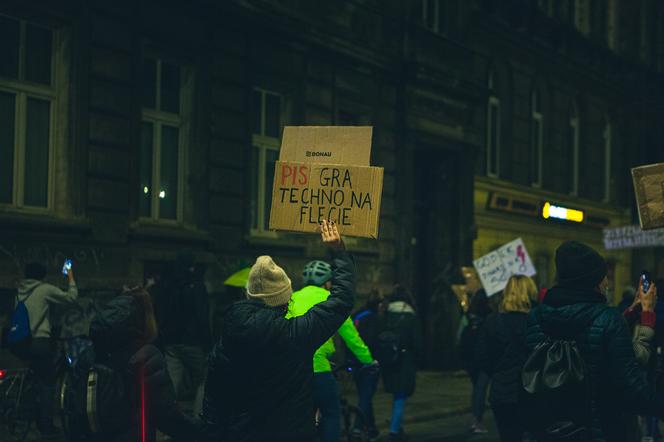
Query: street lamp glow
x=145 y=190
x=162 y=194
x=564 y=213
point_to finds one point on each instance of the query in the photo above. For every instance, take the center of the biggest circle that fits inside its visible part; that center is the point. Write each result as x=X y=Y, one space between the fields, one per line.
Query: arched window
x=536 y=140
x=492 y=130
x=573 y=148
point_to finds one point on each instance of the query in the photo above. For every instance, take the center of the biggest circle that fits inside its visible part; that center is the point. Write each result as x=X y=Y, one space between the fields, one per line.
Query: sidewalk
x=438 y=395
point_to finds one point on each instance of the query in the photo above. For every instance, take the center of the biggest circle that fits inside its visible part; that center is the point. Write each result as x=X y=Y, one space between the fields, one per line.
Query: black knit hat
x=579 y=266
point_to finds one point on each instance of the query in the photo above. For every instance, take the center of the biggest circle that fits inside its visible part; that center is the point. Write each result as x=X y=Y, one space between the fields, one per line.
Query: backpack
x=20 y=332
x=389 y=348
x=556 y=388
x=93 y=400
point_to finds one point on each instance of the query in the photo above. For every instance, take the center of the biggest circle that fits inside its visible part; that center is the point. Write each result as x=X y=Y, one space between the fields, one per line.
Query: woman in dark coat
x=122 y=333
x=477 y=313
x=399 y=379
x=501 y=352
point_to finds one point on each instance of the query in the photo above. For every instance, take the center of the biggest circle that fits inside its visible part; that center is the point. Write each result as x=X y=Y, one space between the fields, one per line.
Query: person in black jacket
x=501 y=352
x=260 y=375
x=183 y=316
x=122 y=333
x=576 y=309
x=366 y=378
x=477 y=313
x=399 y=379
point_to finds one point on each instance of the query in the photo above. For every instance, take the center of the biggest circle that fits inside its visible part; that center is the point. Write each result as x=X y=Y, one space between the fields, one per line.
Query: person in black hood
x=122 y=333
x=260 y=375
x=576 y=310
x=183 y=316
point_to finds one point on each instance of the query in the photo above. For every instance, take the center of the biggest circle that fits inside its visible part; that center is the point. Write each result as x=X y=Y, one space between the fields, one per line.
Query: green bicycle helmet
x=316 y=273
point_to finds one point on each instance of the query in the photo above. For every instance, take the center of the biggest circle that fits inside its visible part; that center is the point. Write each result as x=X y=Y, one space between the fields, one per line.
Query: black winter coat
x=402 y=319
x=501 y=353
x=183 y=311
x=617 y=383
x=259 y=385
x=114 y=333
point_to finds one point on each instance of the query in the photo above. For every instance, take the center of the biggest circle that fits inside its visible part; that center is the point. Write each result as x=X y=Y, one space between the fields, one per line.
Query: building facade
x=131 y=130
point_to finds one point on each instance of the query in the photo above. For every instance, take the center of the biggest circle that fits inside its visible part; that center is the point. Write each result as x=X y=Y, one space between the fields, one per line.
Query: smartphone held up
x=645 y=280
x=66 y=267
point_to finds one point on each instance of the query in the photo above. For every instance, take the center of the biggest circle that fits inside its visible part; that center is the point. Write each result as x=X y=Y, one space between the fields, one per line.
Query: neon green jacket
x=301 y=302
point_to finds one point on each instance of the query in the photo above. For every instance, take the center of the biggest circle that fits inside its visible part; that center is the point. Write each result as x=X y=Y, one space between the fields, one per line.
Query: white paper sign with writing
x=495 y=268
x=630 y=237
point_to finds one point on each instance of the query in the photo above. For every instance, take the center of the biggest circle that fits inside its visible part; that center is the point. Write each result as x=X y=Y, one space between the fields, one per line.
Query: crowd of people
x=566 y=365
x=269 y=377
x=562 y=366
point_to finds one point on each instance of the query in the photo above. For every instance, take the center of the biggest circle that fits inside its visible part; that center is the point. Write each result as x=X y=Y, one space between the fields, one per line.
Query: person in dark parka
x=400 y=378
x=122 y=333
x=260 y=375
x=501 y=352
x=576 y=309
x=477 y=313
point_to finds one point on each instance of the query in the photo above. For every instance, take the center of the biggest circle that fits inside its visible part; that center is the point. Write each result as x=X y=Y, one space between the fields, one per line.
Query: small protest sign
x=649 y=190
x=304 y=194
x=631 y=237
x=495 y=268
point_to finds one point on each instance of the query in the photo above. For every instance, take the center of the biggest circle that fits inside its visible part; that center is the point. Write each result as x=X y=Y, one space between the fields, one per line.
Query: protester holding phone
x=641 y=316
x=37 y=346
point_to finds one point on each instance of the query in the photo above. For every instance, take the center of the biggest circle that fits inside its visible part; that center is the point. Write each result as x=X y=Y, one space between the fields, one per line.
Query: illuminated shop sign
x=564 y=213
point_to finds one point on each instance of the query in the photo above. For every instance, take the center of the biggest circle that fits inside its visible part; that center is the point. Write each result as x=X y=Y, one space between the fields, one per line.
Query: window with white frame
x=267 y=108
x=492 y=131
x=607 y=161
x=27 y=107
x=536 y=141
x=573 y=145
x=164 y=91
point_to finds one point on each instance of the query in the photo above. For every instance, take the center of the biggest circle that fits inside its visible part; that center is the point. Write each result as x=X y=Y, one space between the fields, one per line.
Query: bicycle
x=18 y=402
x=19 y=393
x=349 y=413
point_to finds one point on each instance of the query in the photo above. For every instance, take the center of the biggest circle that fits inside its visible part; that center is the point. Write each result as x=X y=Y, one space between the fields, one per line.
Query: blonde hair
x=520 y=289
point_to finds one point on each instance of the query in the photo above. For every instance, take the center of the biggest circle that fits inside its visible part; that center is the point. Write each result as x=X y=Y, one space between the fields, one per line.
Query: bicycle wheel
x=351 y=415
x=21 y=408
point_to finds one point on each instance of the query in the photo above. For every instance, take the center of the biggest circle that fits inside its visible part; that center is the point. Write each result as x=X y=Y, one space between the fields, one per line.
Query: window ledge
x=43 y=221
x=156 y=231
x=362 y=246
x=282 y=240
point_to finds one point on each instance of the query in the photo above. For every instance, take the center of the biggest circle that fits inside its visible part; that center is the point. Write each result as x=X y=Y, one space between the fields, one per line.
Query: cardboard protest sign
x=649 y=189
x=630 y=237
x=304 y=194
x=495 y=268
x=350 y=145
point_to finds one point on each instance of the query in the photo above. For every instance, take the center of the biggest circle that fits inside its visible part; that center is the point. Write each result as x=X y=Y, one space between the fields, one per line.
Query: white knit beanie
x=269 y=283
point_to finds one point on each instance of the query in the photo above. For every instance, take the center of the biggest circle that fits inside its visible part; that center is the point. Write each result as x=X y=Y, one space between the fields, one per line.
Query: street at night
x=327 y=221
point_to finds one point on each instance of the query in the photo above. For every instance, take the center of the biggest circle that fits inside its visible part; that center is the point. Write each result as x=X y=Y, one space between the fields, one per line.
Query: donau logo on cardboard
x=311 y=153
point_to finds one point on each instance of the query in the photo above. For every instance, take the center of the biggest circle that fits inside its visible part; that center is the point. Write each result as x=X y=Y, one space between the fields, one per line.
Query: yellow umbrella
x=238 y=279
